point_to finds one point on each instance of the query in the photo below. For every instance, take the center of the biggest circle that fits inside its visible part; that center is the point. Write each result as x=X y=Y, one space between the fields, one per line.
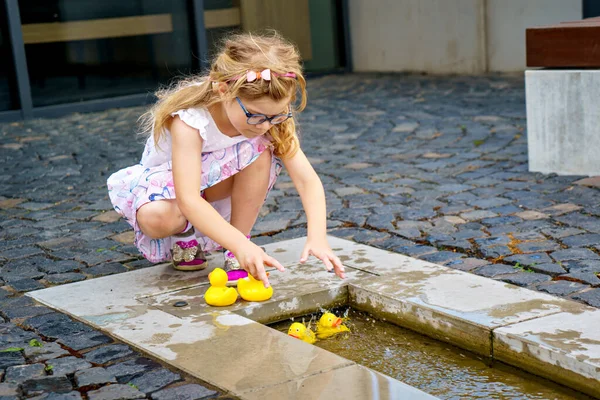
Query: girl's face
x=264 y=105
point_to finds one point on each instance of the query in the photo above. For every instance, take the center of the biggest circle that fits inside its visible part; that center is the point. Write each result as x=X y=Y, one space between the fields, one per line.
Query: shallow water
x=435 y=367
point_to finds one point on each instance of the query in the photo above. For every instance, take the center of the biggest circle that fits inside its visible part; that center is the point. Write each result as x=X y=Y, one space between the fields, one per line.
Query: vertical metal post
x=200 y=29
x=18 y=51
x=347 y=41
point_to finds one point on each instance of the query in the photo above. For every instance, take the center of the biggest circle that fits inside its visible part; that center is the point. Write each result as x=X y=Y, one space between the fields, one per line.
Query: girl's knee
x=159 y=219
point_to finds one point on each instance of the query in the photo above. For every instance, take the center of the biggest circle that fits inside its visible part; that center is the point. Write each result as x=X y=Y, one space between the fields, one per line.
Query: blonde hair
x=239 y=54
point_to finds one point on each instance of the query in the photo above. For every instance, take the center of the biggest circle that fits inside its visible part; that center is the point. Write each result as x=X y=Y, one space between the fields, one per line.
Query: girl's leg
x=248 y=192
x=160 y=219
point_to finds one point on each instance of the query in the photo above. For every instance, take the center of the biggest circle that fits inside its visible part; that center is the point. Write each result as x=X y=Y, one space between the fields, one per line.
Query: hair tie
x=265 y=74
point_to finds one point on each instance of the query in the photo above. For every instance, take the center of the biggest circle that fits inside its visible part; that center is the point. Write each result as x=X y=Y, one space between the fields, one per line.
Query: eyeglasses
x=257 y=119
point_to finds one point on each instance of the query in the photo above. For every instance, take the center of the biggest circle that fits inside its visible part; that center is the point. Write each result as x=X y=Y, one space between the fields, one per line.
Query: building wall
x=448 y=36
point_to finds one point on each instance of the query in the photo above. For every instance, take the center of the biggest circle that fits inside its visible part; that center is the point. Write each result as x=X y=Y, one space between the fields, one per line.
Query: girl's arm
x=187 y=173
x=312 y=194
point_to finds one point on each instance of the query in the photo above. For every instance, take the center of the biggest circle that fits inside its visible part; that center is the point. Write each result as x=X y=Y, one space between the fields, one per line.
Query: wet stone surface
x=430 y=167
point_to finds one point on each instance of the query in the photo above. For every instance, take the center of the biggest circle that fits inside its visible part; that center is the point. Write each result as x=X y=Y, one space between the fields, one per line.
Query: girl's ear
x=219 y=88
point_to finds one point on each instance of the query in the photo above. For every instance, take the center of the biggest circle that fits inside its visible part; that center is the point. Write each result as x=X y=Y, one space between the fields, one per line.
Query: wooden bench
x=561 y=94
x=573 y=44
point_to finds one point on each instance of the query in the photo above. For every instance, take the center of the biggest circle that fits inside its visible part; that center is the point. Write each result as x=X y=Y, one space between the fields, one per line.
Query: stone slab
x=562 y=121
x=563 y=347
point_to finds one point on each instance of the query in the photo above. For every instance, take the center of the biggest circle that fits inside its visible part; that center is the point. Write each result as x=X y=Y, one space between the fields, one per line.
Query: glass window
x=8 y=86
x=81 y=50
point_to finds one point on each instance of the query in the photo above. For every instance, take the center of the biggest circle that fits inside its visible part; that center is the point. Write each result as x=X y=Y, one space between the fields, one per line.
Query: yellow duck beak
x=337 y=322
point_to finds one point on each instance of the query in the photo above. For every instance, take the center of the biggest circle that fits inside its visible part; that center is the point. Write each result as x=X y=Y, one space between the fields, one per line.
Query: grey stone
x=589 y=278
x=57 y=384
x=504 y=220
x=130 y=369
x=591 y=297
x=21 y=373
x=57 y=279
x=56 y=325
x=8 y=389
x=548 y=268
x=47 y=351
x=84 y=340
x=185 y=392
x=154 y=380
x=466 y=264
x=494 y=270
x=93 y=376
x=574 y=254
x=561 y=288
x=583 y=265
x=26 y=285
x=105 y=269
x=416 y=250
x=21 y=252
x=493 y=241
x=526 y=278
x=68 y=365
x=582 y=240
x=477 y=215
x=495 y=251
x=529 y=259
x=108 y=353
x=559 y=233
x=441 y=257
x=58 y=396
x=536 y=247
x=26 y=312
x=8 y=359
x=115 y=392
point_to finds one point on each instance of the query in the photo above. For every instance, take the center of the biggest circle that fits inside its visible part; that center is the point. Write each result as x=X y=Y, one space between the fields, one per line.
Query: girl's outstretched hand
x=253 y=259
x=323 y=252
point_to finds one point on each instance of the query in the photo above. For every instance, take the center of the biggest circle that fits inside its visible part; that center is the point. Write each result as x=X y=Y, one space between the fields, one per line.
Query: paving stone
x=115 y=392
x=589 y=278
x=61 y=267
x=8 y=359
x=57 y=279
x=561 y=288
x=582 y=240
x=126 y=371
x=441 y=257
x=93 y=376
x=56 y=325
x=84 y=340
x=526 y=278
x=21 y=252
x=490 y=202
x=415 y=250
x=56 y=384
x=561 y=209
x=494 y=270
x=559 y=233
x=26 y=285
x=477 y=215
x=60 y=243
x=466 y=264
x=185 y=392
x=529 y=259
x=505 y=220
x=108 y=353
x=535 y=247
x=574 y=254
x=26 y=312
x=547 y=268
x=58 y=396
x=67 y=365
x=530 y=215
x=582 y=265
x=154 y=380
x=591 y=182
x=48 y=351
x=8 y=389
x=105 y=269
x=21 y=373
x=495 y=251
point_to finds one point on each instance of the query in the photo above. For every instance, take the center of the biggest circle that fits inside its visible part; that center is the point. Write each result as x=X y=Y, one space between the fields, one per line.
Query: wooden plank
x=568 y=45
x=290 y=18
x=222 y=18
x=120 y=27
x=97 y=28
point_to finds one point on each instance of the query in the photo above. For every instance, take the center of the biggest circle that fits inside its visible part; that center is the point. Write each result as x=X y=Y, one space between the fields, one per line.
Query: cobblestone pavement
x=431 y=167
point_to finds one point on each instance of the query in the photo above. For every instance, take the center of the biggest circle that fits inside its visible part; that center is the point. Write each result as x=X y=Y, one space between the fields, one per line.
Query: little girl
x=217 y=144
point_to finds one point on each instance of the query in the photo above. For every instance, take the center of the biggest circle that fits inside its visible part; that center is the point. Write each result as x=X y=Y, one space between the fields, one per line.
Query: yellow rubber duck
x=330 y=325
x=252 y=290
x=218 y=294
x=300 y=331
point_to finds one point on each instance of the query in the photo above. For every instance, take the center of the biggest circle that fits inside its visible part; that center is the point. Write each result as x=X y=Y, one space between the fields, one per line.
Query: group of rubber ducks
x=250 y=289
x=327 y=326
